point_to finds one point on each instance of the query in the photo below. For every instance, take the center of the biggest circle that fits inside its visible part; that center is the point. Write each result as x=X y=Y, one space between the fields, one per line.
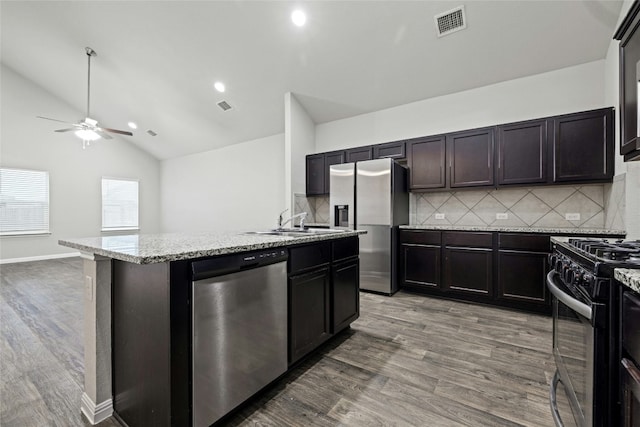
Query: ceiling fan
x=88 y=129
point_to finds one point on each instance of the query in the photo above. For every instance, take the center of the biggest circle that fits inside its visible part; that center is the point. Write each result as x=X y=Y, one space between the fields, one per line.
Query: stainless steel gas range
x=585 y=326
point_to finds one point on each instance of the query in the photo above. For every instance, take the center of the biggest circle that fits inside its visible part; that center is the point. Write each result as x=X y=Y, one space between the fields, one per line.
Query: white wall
x=235 y=188
x=567 y=90
x=631 y=170
x=299 y=141
x=74 y=174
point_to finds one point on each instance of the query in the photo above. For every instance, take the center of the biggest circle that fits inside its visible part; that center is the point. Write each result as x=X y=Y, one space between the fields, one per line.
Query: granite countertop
x=628 y=277
x=581 y=231
x=155 y=248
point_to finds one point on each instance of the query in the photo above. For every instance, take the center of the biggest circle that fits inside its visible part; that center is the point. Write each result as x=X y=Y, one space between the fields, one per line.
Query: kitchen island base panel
x=96 y=402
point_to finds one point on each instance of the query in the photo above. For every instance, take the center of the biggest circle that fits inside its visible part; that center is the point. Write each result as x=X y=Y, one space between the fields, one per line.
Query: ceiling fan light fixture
x=87 y=135
x=132 y=125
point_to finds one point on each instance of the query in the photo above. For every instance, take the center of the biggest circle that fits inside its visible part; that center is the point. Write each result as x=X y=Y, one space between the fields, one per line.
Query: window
x=119 y=204
x=24 y=202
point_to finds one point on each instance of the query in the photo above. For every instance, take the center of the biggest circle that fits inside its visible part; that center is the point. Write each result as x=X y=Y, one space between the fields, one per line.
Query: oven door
x=578 y=346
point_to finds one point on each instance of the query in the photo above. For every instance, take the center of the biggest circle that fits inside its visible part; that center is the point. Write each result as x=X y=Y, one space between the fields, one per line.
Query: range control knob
x=588 y=280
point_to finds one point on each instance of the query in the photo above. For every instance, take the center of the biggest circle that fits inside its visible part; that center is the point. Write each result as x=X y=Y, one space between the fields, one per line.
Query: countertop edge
x=533 y=230
x=268 y=242
x=628 y=277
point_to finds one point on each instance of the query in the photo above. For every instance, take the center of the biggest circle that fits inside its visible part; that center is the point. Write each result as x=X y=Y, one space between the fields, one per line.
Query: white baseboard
x=96 y=413
x=39 y=258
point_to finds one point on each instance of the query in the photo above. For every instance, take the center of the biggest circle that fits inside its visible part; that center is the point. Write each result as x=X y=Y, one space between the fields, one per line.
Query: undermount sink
x=296 y=232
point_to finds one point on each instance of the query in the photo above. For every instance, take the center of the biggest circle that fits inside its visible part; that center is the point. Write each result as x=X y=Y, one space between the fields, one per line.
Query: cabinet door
x=471 y=158
x=629 y=55
x=345 y=295
x=333 y=158
x=468 y=270
x=392 y=150
x=583 y=146
x=522 y=152
x=359 y=154
x=521 y=276
x=315 y=175
x=426 y=161
x=421 y=265
x=309 y=322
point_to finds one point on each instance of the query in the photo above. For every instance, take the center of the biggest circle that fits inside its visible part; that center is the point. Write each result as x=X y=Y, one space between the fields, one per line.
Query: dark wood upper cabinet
x=426 y=161
x=333 y=158
x=522 y=153
x=392 y=150
x=583 y=146
x=317 y=172
x=470 y=156
x=315 y=175
x=629 y=77
x=359 y=154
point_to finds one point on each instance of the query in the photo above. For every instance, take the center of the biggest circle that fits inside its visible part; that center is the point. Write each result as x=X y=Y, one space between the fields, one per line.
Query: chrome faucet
x=301 y=215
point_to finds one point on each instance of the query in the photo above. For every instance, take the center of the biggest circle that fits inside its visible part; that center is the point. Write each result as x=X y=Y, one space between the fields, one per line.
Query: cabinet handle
x=631 y=369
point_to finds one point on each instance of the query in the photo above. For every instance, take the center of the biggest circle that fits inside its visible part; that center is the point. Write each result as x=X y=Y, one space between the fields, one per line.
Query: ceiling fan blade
x=122 y=132
x=55 y=120
x=65 y=130
x=103 y=134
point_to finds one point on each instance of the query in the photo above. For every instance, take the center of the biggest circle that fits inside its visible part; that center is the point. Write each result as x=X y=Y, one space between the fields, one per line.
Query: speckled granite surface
x=154 y=248
x=628 y=277
x=580 y=231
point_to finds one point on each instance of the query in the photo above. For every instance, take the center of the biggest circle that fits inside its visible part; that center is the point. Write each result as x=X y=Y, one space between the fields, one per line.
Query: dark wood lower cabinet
x=468 y=270
x=521 y=276
x=309 y=321
x=630 y=358
x=503 y=269
x=345 y=297
x=421 y=265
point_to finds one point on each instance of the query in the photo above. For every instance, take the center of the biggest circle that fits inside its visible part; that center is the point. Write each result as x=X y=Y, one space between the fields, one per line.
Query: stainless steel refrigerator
x=371 y=195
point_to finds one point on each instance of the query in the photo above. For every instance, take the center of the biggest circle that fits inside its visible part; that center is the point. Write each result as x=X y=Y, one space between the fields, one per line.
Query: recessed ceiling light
x=132 y=125
x=299 y=18
x=219 y=86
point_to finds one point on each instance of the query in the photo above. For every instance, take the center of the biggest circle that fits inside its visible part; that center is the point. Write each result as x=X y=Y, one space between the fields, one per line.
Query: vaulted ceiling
x=157 y=60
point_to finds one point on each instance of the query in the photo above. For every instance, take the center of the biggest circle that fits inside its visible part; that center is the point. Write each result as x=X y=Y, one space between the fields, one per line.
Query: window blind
x=119 y=204
x=24 y=201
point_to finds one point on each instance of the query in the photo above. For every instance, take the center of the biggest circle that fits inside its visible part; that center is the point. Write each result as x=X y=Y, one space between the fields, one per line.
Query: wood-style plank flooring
x=408 y=360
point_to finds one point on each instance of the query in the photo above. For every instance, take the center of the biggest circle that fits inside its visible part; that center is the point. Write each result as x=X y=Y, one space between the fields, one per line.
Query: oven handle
x=579 y=307
x=553 y=400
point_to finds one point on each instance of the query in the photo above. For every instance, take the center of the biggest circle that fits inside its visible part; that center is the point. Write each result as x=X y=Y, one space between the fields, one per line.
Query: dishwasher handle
x=225 y=264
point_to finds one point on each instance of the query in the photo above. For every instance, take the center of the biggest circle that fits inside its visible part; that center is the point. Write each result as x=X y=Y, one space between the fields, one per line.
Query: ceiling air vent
x=224 y=105
x=451 y=21
x=152 y=133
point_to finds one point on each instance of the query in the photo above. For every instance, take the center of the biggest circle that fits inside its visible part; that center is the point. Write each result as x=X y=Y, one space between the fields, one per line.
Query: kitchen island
x=139 y=303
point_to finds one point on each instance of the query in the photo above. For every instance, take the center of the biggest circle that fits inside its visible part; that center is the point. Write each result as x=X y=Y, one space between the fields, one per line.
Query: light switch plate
x=502 y=215
x=572 y=216
x=439 y=216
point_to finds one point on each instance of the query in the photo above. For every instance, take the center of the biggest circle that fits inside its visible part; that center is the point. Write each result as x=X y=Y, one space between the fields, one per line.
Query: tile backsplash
x=614 y=203
x=518 y=207
x=317 y=208
x=598 y=206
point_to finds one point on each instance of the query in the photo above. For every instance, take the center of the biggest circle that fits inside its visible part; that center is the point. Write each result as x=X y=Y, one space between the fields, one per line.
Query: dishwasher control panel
x=223 y=264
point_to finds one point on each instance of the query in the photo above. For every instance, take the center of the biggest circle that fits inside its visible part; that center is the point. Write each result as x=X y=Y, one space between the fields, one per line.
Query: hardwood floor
x=408 y=360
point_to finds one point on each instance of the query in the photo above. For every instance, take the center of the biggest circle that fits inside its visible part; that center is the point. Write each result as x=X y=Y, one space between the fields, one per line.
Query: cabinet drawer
x=421 y=237
x=524 y=242
x=468 y=239
x=304 y=257
x=345 y=248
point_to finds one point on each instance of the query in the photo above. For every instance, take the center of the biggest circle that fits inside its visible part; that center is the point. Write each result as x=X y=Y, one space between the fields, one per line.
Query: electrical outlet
x=572 y=216
x=502 y=215
x=439 y=216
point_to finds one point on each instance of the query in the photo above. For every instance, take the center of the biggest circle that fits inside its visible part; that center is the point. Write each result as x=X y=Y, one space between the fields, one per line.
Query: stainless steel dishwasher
x=239 y=329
